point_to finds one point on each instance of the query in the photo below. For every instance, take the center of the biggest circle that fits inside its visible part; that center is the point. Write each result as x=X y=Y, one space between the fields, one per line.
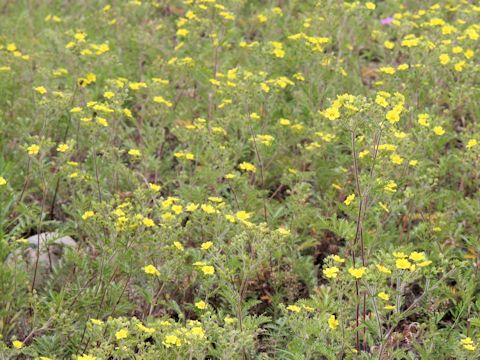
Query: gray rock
x=44 y=252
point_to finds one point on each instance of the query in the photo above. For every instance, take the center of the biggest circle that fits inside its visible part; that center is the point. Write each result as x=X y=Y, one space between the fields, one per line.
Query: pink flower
x=387 y=21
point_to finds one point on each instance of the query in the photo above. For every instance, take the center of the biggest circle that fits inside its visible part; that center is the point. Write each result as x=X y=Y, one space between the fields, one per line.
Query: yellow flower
x=88 y=214
x=396 y=159
x=145 y=329
x=383 y=269
x=417 y=256
x=387 y=70
x=209 y=209
x=202 y=305
x=331 y=272
x=63 y=148
x=331 y=113
x=41 y=90
x=186 y=155
x=102 y=121
x=127 y=113
x=389 y=45
x=389 y=307
x=299 y=77
x=154 y=187
x=363 y=153
x=178 y=245
x=137 y=85
x=182 y=32
x=254 y=116
x=206 y=245
x=459 y=66
x=191 y=207
x=357 y=273
x=108 y=94
x=2 y=181
x=151 y=270
x=278 y=49
x=380 y=100
x=208 y=270
x=262 y=18
x=444 y=59
x=471 y=143
x=370 y=5
x=148 y=222
x=438 y=130
x=134 y=153
x=338 y=259
x=448 y=29
x=172 y=340
x=97 y=322
x=177 y=209
x=468 y=344
x=265 y=87
x=33 y=149
x=86 y=357
x=118 y=212
x=384 y=296
x=469 y=53
x=11 y=47
x=393 y=116
x=387 y=147
x=87 y=80
x=17 y=344
x=168 y=202
x=121 y=334
x=349 y=199
x=197 y=332
x=246 y=166
x=168 y=217
x=161 y=100
x=294 y=308
x=333 y=322
x=242 y=215
x=391 y=186
x=80 y=36
x=403 y=264
x=284 y=232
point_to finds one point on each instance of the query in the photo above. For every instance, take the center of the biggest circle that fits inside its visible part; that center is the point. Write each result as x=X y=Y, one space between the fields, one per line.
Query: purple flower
x=387 y=21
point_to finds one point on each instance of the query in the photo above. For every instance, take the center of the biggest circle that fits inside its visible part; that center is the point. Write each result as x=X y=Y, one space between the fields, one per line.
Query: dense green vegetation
x=227 y=179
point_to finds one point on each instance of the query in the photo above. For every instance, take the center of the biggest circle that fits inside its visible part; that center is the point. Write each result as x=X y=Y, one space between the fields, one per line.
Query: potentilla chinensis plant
x=219 y=179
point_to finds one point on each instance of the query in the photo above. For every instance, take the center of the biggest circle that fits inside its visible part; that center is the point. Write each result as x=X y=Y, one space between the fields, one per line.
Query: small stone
x=44 y=251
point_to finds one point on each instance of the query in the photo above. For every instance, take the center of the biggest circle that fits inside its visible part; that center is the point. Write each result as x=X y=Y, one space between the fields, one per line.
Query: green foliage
x=243 y=179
